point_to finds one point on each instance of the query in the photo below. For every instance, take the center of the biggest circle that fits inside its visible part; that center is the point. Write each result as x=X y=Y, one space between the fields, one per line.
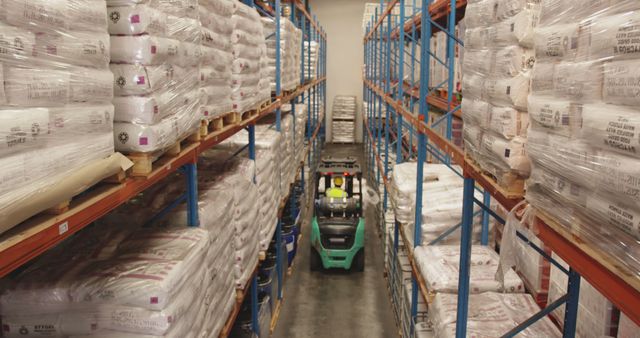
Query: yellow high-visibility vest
x=336 y=193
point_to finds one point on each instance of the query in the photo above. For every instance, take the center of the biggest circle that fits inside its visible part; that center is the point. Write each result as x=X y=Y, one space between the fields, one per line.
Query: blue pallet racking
x=390 y=99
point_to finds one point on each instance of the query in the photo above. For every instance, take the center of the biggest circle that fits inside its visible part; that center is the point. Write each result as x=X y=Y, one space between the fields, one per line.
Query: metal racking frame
x=385 y=84
x=39 y=234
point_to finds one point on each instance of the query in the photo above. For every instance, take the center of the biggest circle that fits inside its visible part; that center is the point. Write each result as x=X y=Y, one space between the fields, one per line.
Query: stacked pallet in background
x=497 y=66
x=290 y=59
x=56 y=124
x=343 y=119
x=248 y=40
x=310 y=62
x=215 y=70
x=155 y=57
x=583 y=140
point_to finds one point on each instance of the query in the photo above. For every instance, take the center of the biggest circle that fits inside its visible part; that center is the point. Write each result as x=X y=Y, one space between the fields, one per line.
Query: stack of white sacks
x=343 y=119
x=248 y=41
x=490 y=314
x=441 y=201
x=290 y=42
x=215 y=69
x=300 y=128
x=56 y=93
x=440 y=264
x=237 y=174
x=310 y=62
x=585 y=123
x=268 y=168
x=149 y=285
x=497 y=67
x=155 y=58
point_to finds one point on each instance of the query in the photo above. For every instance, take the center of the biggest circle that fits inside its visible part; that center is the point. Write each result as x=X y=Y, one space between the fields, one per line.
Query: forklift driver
x=337 y=191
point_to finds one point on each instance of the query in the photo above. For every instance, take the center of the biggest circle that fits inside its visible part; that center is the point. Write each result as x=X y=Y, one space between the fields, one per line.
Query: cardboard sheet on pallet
x=29 y=200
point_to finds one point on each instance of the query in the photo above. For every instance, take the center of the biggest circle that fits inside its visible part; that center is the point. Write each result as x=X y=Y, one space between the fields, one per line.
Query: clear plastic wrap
x=155 y=55
x=290 y=52
x=55 y=114
x=583 y=137
x=497 y=73
x=343 y=119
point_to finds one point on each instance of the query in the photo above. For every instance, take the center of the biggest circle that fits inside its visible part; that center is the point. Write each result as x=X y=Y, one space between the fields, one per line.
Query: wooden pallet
x=509 y=184
x=264 y=105
x=276 y=314
x=248 y=115
x=65 y=205
x=218 y=123
x=143 y=162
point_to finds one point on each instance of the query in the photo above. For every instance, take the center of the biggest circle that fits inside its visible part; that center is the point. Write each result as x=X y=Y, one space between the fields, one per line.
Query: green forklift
x=337 y=228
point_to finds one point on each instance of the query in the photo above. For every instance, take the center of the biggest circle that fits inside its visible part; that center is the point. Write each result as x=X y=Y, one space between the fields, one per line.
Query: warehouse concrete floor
x=334 y=304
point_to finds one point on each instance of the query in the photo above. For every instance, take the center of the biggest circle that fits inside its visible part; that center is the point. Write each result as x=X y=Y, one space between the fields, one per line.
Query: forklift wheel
x=315 y=262
x=358 y=261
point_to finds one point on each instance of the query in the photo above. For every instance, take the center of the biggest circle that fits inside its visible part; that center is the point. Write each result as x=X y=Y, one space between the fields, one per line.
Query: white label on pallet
x=62 y=228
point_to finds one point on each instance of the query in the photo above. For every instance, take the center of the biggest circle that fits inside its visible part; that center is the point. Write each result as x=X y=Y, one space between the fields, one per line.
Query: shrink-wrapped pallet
x=156 y=56
x=290 y=42
x=248 y=40
x=56 y=97
x=497 y=74
x=215 y=70
x=583 y=138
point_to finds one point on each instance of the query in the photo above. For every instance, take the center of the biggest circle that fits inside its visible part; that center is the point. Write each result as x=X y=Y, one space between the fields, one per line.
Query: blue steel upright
x=422 y=138
x=192 y=194
x=387 y=89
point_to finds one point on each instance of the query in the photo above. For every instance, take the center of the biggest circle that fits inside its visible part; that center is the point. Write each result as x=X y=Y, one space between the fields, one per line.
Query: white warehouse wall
x=342 y=20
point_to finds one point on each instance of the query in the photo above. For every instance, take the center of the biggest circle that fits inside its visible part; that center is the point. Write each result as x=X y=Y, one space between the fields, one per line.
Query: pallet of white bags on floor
x=440 y=264
x=491 y=314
